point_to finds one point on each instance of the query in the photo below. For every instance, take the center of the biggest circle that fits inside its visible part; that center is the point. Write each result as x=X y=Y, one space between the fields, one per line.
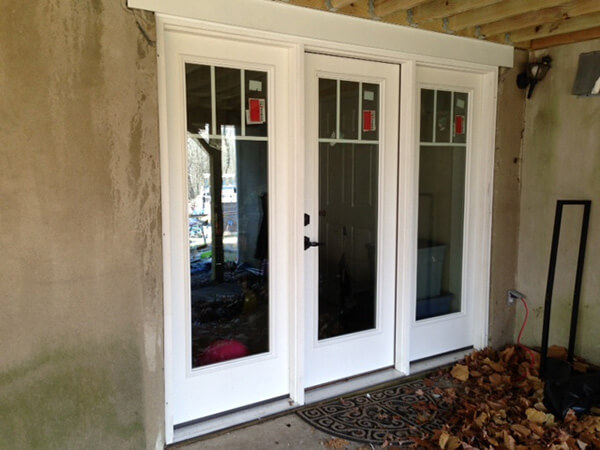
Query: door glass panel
x=227 y=213
x=441 y=202
x=228 y=91
x=348 y=180
x=327 y=108
x=349 y=119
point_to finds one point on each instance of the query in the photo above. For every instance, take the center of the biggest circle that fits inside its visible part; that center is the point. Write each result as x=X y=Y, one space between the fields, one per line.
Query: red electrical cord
x=527 y=349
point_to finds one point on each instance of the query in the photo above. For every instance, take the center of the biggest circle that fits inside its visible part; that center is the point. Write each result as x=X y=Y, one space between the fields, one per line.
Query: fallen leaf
x=336 y=443
x=460 y=372
x=509 y=441
x=453 y=443
x=481 y=419
x=582 y=445
x=496 y=379
x=520 y=429
x=443 y=439
x=494 y=365
x=557 y=352
x=537 y=417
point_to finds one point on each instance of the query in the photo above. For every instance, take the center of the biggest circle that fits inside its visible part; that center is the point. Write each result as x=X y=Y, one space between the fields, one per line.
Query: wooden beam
x=384 y=8
x=564 y=26
x=338 y=4
x=357 y=8
x=546 y=15
x=497 y=11
x=315 y=4
x=567 y=38
x=438 y=9
x=397 y=18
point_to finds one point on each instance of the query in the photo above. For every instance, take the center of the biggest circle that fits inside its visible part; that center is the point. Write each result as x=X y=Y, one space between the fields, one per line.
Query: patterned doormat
x=393 y=414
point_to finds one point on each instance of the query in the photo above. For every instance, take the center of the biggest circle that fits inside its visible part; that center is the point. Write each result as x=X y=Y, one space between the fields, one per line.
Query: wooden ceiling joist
x=438 y=9
x=497 y=11
x=522 y=23
x=567 y=38
x=568 y=25
x=385 y=8
x=543 y=16
x=337 y=4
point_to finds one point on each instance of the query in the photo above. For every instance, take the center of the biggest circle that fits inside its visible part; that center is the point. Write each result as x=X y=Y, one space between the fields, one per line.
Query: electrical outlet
x=512 y=295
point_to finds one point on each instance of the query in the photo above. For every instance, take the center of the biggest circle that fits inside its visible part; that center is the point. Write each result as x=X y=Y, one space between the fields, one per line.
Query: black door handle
x=308 y=243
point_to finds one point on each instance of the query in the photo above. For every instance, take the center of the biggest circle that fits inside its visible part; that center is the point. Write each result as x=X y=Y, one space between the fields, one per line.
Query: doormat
x=394 y=414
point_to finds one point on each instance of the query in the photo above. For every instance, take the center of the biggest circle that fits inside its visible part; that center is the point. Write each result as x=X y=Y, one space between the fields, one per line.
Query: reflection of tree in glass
x=216 y=207
x=198 y=164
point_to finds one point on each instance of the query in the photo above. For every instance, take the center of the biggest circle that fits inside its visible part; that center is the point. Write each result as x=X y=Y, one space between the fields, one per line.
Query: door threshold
x=351 y=385
x=228 y=420
x=433 y=362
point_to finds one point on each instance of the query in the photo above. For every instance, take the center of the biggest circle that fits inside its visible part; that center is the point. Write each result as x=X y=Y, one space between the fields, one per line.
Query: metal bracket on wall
x=551 y=271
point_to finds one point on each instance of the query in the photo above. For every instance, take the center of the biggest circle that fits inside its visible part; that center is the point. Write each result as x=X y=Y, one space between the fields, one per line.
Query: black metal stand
x=550 y=285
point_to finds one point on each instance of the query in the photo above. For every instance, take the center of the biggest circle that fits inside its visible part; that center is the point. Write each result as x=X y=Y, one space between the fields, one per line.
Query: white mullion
x=433 y=136
x=346 y=141
x=442 y=144
x=242 y=101
x=452 y=124
x=360 y=100
x=338 y=106
x=236 y=138
x=213 y=101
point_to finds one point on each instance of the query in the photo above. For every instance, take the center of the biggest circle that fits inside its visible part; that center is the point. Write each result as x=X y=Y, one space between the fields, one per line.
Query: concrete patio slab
x=285 y=432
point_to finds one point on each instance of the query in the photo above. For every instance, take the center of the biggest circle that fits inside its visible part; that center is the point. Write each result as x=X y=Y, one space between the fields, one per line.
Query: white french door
x=350 y=198
x=226 y=224
x=453 y=201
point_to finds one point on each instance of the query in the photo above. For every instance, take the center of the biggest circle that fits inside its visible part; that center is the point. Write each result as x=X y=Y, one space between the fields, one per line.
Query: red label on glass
x=368 y=120
x=256 y=110
x=459 y=125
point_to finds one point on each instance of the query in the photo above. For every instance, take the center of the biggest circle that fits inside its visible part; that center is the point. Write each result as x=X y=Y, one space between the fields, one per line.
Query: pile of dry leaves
x=498 y=403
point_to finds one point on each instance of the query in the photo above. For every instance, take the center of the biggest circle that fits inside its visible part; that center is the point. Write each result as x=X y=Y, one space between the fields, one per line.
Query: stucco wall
x=507 y=184
x=81 y=310
x=561 y=160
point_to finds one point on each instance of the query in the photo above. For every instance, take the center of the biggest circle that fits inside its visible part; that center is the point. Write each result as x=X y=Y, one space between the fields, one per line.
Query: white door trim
x=408 y=178
x=306 y=24
x=285 y=173
x=478 y=202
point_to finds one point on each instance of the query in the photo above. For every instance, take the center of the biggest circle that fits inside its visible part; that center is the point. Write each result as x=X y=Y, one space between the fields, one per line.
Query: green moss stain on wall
x=77 y=398
x=80 y=272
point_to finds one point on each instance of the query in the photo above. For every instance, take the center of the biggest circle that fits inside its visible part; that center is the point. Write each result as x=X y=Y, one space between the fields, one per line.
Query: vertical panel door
x=226 y=252
x=350 y=196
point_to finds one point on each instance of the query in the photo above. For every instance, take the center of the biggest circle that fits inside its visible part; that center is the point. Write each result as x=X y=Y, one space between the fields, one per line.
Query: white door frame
x=365 y=42
x=286 y=253
x=477 y=220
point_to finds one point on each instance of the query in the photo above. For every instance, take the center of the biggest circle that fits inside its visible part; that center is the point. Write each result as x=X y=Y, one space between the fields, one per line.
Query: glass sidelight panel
x=442 y=168
x=348 y=206
x=227 y=148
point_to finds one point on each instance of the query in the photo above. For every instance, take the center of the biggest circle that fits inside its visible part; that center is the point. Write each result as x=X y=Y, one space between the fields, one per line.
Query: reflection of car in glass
x=228 y=194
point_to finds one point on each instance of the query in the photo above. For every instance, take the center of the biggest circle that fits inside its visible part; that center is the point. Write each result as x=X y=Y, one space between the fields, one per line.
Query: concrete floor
x=285 y=432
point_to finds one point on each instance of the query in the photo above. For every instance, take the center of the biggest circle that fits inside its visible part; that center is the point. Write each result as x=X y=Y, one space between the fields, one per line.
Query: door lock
x=308 y=243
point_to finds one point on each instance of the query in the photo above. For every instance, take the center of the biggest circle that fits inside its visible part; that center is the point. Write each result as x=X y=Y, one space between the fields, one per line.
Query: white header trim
x=276 y=17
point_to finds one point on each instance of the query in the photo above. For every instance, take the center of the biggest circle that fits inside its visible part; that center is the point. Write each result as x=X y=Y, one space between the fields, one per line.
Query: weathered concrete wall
x=507 y=184
x=561 y=160
x=80 y=272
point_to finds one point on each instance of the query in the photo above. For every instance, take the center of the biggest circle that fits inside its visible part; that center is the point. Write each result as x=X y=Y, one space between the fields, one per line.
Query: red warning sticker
x=256 y=111
x=369 y=120
x=459 y=125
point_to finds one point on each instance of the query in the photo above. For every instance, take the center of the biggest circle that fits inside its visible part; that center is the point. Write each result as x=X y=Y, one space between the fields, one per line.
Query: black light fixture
x=534 y=73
